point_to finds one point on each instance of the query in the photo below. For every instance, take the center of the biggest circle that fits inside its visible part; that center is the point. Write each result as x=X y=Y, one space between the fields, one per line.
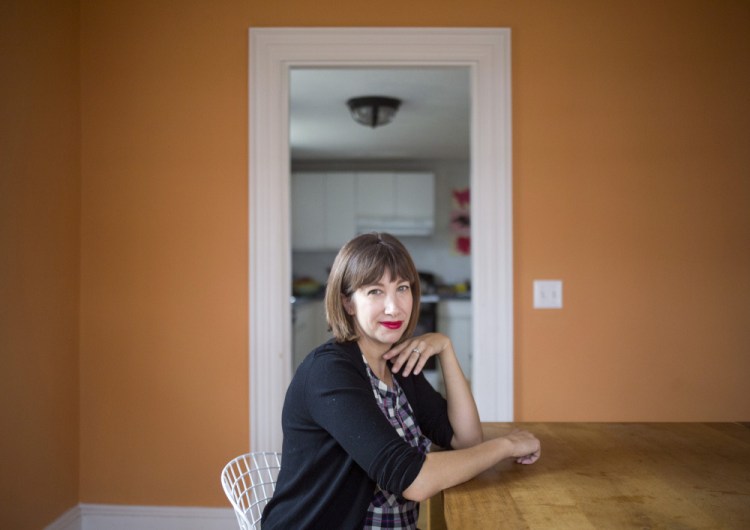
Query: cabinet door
x=454 y=320
x=339 y=211
x=376 y=194
x=303 y=337
x=310 y=329
x=415 y=195
x=308 y=212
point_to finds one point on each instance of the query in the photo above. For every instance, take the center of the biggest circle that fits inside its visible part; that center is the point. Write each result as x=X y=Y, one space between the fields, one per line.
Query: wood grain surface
x=611 y=476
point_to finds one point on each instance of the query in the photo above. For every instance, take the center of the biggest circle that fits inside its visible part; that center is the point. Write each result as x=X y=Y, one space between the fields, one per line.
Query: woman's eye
x=374 y=291
x=404 y=287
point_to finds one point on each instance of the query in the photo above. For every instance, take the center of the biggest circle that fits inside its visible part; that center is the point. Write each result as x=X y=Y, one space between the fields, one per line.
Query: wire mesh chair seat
x=249 y=482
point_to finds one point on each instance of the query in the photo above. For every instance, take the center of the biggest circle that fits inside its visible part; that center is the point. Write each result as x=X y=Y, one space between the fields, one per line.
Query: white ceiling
x=433 y=121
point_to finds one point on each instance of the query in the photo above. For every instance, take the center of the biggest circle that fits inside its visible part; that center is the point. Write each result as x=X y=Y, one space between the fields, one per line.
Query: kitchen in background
x=349 y=179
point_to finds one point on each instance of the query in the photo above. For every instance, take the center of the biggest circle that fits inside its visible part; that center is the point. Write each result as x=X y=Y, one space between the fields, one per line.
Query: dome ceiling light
x=373 y=111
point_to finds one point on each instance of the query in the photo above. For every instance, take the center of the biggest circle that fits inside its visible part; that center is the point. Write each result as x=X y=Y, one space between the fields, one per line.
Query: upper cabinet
x=399 y=203
x=322 y=210
x=329 y=208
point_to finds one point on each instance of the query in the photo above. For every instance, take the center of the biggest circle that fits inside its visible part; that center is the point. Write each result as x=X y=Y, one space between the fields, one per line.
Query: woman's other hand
x=411 y=355
x=526 y=448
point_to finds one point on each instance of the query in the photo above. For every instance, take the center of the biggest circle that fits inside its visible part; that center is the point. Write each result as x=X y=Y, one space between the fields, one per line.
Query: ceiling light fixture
x=373 y=111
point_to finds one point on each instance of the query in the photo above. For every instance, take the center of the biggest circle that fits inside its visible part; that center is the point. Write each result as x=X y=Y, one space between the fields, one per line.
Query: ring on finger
x=416 y=350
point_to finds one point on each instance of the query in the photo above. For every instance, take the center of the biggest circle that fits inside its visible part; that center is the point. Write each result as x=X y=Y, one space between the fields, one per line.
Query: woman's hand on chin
x=412 y=354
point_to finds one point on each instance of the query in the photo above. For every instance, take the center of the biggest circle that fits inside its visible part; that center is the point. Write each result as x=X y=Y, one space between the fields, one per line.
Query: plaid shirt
x=387 y=510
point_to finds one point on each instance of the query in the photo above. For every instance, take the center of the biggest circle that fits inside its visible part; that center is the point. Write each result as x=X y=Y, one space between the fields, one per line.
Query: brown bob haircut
x=363 y=261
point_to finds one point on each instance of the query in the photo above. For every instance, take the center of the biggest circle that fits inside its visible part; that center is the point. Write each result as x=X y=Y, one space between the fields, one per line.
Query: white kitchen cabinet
x=308 y=193
x=309 y=328
x=323 y=210
x=415 y=195
x=402 y=203
x=454 y=320
x=330 y=208
x=339 y=209
x=375 y=194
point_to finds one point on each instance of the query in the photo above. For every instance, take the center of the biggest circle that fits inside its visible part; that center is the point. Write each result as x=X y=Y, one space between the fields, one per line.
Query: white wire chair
x=249 y=482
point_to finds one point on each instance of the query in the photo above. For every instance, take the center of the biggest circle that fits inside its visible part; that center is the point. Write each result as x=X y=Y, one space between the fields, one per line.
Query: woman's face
x=381 y=311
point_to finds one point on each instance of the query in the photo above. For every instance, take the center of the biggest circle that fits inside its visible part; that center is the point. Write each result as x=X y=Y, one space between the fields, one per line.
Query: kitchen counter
x=435 y=298
x=426 y=299
x=306 y=299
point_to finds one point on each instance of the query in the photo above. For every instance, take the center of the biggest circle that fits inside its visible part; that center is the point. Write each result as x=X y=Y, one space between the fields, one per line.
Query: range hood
x=398 y=226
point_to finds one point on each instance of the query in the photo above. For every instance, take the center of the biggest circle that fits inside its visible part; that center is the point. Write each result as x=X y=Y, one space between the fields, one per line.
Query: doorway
x=339 y=168
x=273 y=52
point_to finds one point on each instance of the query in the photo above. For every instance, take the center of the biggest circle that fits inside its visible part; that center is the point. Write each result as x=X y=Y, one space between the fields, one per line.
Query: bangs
x=379 y=260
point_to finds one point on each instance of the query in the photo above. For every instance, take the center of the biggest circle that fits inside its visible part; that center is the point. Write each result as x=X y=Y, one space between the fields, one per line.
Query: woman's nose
x=390 y=305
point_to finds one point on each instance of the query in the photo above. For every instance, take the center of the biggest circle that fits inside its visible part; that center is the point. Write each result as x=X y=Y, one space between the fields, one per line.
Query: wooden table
x=613 y=475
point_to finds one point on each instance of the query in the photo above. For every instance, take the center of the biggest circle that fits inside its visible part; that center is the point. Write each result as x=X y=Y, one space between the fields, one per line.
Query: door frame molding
x=273 y=51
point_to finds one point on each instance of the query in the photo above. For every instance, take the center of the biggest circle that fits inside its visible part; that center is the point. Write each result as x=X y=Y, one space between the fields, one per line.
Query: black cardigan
x=338 y=443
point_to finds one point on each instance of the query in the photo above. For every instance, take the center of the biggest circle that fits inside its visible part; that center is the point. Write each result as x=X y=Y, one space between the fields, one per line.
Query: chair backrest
x=249 y=482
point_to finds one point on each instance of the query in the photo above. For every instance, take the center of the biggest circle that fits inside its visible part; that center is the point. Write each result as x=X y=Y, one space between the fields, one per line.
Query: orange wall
x=630 y=150
x=632 y=184
x=630 y=127
x=164 y=367
x=39 y=253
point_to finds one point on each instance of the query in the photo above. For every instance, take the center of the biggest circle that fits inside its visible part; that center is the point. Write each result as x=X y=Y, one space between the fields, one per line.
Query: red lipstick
x=395 y=324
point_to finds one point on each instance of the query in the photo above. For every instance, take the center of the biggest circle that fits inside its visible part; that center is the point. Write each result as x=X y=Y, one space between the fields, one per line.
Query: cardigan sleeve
x=339 y=398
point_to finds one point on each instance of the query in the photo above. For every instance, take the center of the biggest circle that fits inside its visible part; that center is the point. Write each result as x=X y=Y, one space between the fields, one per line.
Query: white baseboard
x=70 y=520
x=125 y=517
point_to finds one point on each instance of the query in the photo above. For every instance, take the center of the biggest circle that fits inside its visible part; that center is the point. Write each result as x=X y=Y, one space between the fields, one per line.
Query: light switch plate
x=548 y=294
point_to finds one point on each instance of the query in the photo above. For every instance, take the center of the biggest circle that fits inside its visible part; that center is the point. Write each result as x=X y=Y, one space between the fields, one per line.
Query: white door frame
x=273 y=51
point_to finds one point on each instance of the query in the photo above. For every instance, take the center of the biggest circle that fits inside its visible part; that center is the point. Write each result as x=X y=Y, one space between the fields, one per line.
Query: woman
x=359 y=417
